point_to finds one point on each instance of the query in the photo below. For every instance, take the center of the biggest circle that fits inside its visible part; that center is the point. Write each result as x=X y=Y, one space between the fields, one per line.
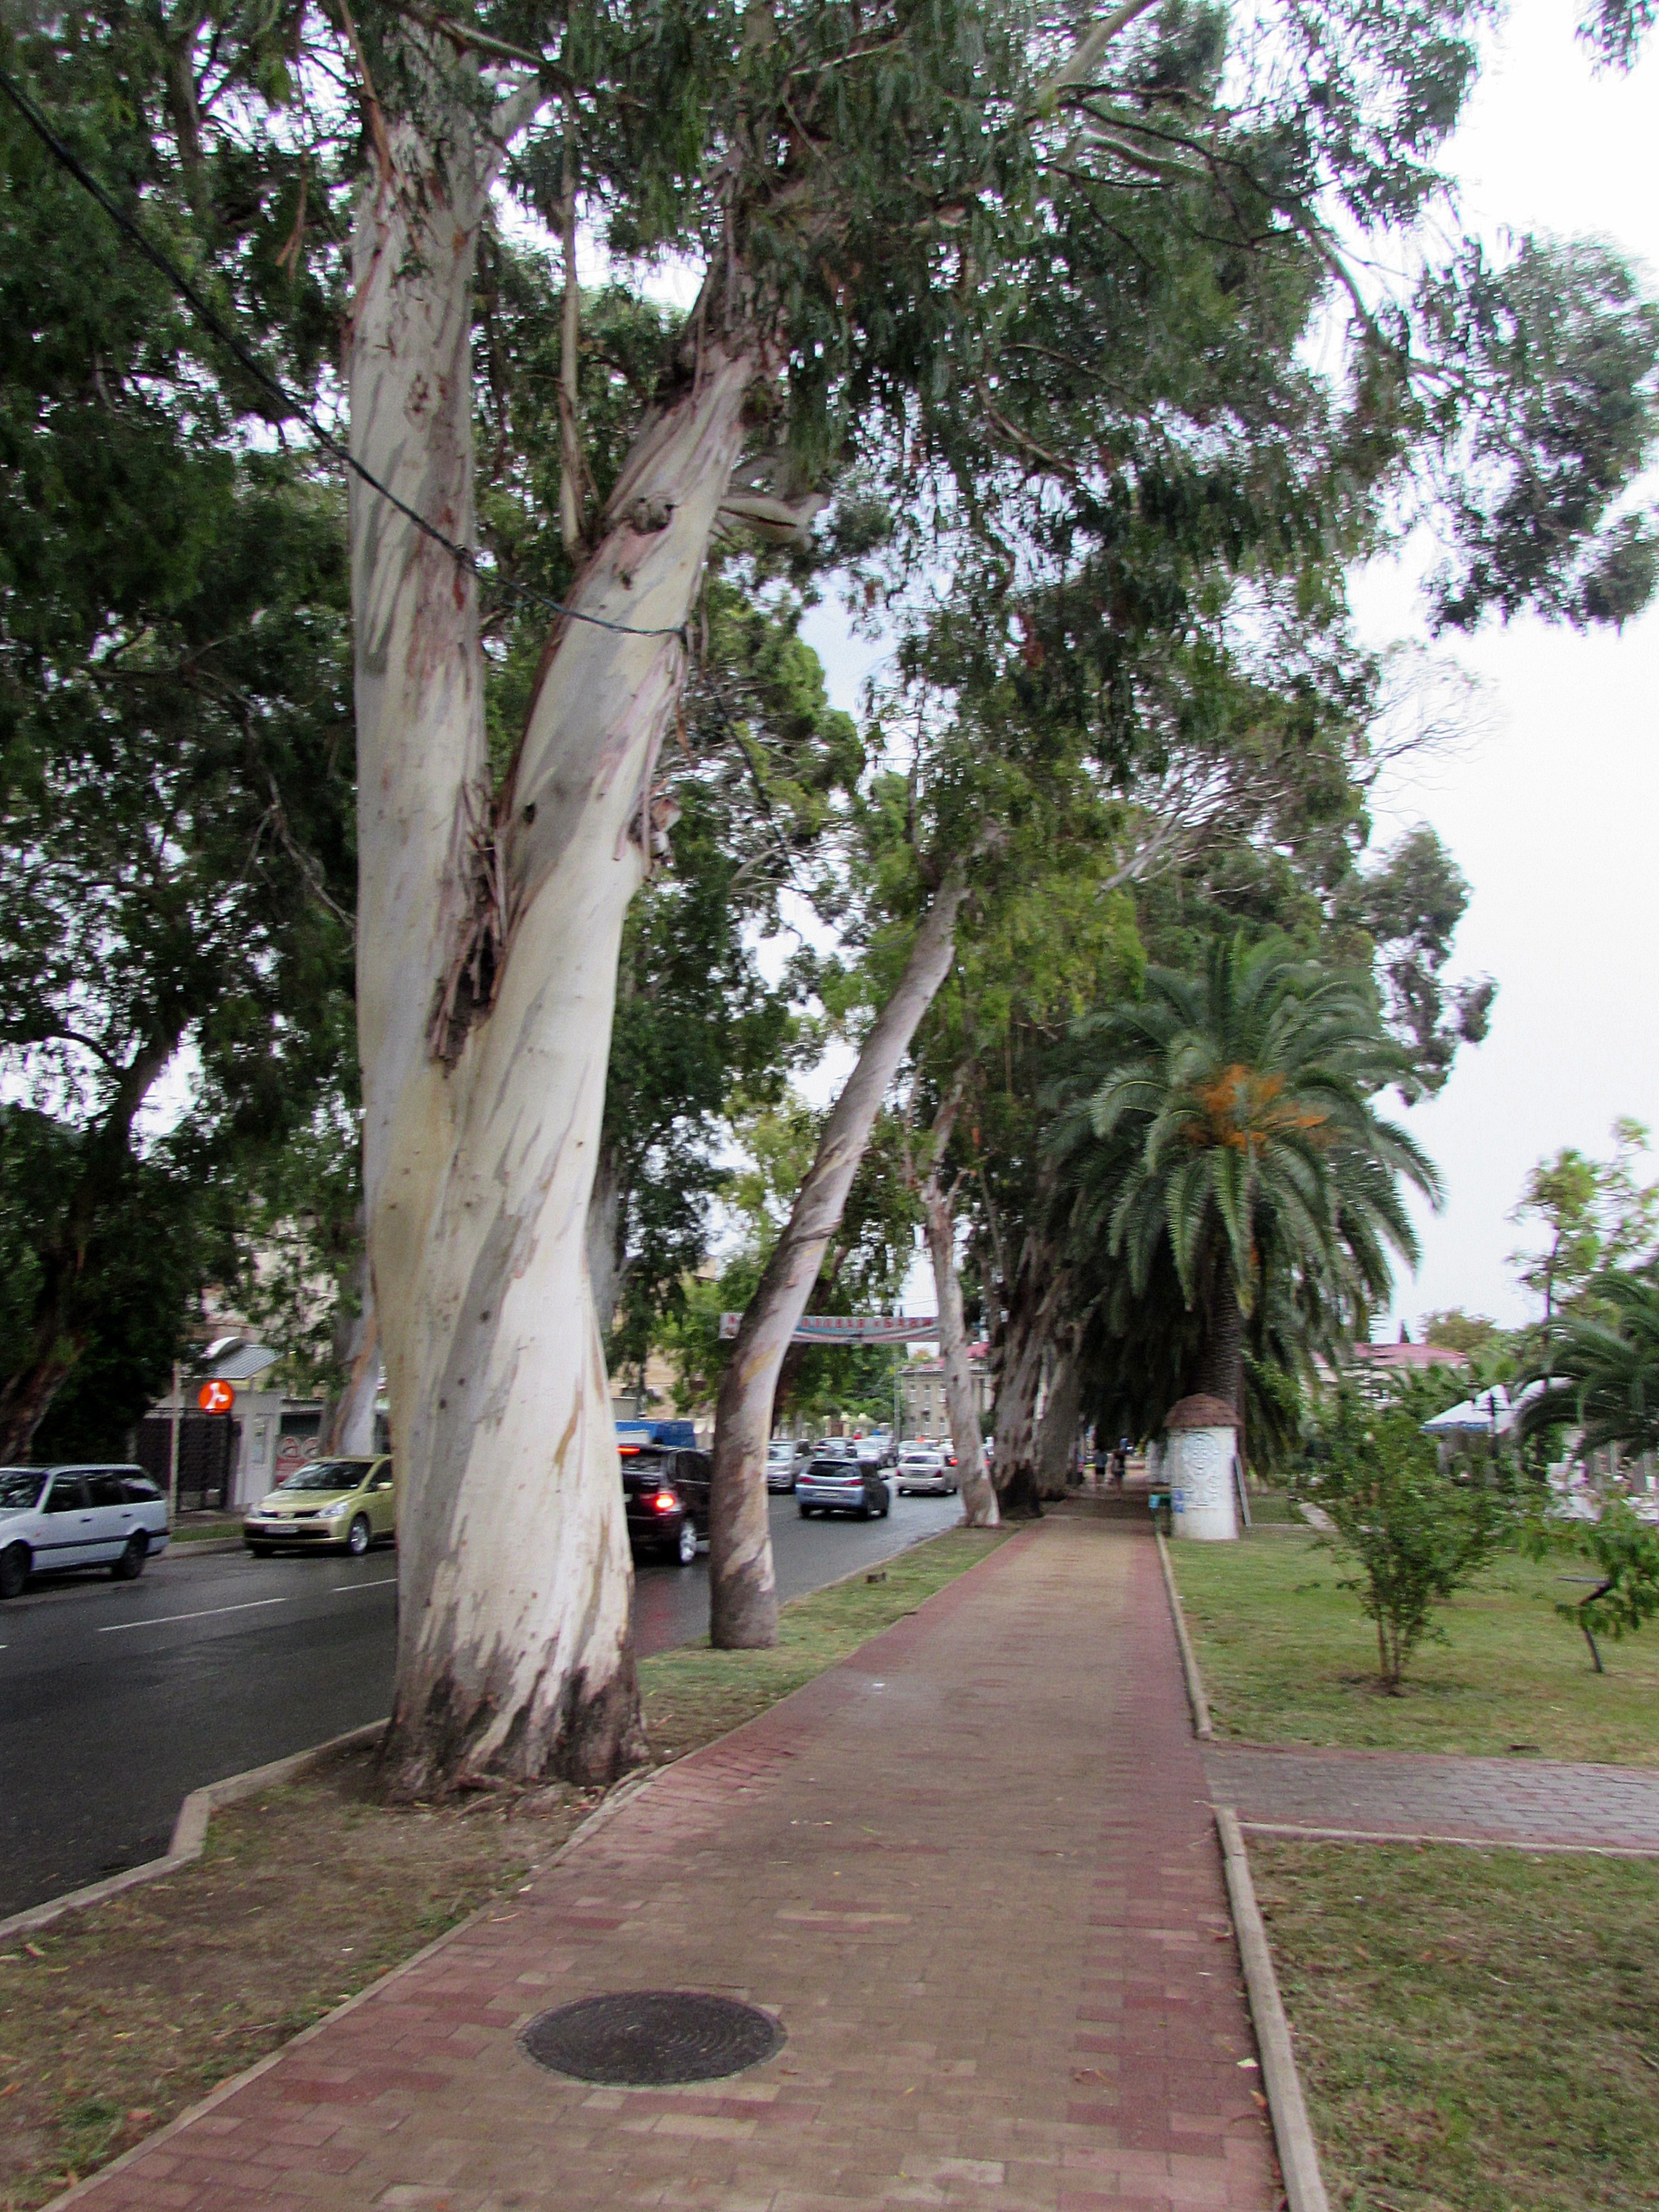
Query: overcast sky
x=1553 y=815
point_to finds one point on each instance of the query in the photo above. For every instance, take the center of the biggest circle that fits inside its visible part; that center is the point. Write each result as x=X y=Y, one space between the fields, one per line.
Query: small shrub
x=1415 y=1534
x=1624 y=1552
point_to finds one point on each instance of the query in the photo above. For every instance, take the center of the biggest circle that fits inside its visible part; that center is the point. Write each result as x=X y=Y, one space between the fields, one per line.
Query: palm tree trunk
x=1221 y=1370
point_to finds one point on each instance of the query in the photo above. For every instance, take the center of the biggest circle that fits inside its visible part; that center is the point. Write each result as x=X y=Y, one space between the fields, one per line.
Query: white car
x=926 y=1472
x=53 y=1518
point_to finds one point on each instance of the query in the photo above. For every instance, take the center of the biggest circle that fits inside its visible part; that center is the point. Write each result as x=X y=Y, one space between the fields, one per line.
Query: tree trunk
x=1221 y=1369
x=979 y=1497
x=1024 y=1336
x=350 y=1430
x=607 y=1220
x=56 y=1334
x=743 y=1610
x=488 y=945
x=1056 y=1443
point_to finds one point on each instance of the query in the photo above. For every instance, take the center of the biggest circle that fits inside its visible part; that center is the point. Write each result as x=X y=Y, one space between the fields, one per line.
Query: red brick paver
x=1551 y=1804
x=973 y=1871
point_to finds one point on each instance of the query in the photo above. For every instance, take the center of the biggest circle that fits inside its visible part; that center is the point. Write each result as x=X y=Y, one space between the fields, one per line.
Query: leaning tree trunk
x=357 y=1355
x=743 y=1609
x=607 y=1223
x=979 y=1497
x=1056 y=1443
x=488 y=945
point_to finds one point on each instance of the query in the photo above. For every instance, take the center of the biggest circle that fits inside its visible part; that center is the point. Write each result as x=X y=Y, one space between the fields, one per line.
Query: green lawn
x=1289 y=1657
x=1476 y=2030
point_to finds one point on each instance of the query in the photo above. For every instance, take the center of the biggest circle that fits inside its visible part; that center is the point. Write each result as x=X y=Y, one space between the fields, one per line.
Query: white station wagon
x=77 y=1516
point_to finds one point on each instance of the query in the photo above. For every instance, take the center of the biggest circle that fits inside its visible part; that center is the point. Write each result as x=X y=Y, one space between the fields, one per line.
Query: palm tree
x=1225 y=1122
x=1603 y=1366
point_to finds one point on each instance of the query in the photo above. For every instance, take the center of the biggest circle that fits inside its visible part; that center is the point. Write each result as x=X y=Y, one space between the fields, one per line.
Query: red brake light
x=628 y=1451
x=665 y=1502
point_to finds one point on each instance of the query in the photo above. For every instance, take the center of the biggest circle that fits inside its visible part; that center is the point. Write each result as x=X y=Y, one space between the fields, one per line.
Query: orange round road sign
x=215 y=1397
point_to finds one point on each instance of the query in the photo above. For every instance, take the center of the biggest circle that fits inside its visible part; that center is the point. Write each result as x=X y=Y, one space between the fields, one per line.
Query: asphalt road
x=118 y=1699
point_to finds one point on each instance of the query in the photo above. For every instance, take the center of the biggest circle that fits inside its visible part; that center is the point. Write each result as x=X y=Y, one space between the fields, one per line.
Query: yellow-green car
x=329 y=1504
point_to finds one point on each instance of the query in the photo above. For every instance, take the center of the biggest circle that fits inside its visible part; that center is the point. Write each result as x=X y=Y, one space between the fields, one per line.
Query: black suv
x=665 y=1495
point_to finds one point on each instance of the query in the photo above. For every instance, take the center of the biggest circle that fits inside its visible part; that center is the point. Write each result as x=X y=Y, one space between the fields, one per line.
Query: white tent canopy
x=1488 y=1413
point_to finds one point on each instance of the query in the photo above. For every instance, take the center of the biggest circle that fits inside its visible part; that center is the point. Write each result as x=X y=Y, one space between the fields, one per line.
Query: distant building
x=1372 y=1365
x=1396 y=1358
x=921 y=1394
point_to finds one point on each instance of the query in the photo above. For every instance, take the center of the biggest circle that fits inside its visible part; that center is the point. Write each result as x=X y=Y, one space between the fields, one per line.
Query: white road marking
x=386 y=1582
x=165 y=1619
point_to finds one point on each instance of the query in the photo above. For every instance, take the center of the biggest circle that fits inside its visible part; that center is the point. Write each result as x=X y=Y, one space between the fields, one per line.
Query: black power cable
x=210 y=320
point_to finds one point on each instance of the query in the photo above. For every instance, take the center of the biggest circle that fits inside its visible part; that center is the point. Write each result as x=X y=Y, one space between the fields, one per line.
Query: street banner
x=852 y=1329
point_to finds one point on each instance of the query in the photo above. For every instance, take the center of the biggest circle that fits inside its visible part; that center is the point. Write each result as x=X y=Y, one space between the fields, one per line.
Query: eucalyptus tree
x=1052 y=288
x=911 y=233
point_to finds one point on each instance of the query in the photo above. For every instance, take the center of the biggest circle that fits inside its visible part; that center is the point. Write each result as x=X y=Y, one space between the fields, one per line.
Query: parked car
x=326 y=1504
x=841 y=1484
x=665 y=1498
x=926 y=1472
x=57 y=1517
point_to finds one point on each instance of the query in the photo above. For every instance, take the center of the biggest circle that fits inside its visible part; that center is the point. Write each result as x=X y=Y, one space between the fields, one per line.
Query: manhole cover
x=647 y=2039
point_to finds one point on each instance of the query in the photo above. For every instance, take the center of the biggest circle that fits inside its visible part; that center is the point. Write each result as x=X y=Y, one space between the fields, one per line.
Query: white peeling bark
x=357 y=1353
x=979 y=1497
x=1056 y=1443
x=482 y=1127
x=743 y=1607
x=606 y=1215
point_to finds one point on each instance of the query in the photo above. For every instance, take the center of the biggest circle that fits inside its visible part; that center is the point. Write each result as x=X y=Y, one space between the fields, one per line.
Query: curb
x=1299 y=2156
x=189 y=1831
x=1195 y=1697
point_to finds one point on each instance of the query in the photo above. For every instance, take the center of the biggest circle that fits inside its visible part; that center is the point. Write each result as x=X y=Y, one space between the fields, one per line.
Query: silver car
x=926 y=1473
x=842 y=1486
x=54 y=1517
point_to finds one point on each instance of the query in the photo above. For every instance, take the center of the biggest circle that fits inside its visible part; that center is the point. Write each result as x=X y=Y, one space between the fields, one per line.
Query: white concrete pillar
x=1202 y=1469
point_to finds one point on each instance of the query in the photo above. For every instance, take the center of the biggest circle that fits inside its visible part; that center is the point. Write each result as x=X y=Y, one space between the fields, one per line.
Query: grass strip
x=1476 y=2030
x=113 y=2020
x=1288 y=1657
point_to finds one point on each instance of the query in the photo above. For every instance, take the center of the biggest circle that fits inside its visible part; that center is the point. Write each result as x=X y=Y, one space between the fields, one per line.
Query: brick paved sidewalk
x=973 y=1871
x=1552 y=1804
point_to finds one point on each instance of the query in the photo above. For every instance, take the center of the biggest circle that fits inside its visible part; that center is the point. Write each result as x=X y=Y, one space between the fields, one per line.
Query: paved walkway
x=1553 y=1804
x=972 y=1869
